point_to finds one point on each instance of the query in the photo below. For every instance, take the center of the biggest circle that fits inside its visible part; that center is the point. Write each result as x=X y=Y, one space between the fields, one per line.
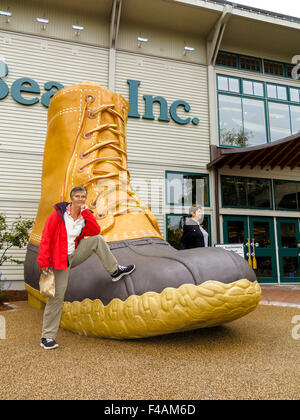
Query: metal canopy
x=283 y=153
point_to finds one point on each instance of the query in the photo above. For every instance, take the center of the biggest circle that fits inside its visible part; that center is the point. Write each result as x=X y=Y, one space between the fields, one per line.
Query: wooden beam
x=295 y=159
x=257 y=158
x=272 y=156
x=285 y=159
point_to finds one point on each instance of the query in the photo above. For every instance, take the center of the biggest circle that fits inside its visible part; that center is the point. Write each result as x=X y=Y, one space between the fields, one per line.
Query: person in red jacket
x=62 y=247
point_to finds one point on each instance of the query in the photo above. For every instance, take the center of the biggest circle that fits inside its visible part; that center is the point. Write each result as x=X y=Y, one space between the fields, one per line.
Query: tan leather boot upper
x=86 y=145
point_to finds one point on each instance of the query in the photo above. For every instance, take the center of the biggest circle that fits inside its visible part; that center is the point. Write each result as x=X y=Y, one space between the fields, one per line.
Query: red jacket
x=53 y=251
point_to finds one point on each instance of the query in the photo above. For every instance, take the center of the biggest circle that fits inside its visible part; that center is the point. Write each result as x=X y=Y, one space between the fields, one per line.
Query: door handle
x=249 y=252
x=254 y=262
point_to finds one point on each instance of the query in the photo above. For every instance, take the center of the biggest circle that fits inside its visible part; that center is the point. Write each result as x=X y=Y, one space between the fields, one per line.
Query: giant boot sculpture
x=170 y=290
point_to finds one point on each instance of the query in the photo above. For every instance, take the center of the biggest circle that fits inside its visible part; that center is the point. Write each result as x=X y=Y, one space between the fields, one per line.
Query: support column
x=114 y=30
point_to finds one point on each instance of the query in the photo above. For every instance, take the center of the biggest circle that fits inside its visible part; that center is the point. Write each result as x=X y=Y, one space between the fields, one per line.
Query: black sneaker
x=122 y=271
x=48 y=344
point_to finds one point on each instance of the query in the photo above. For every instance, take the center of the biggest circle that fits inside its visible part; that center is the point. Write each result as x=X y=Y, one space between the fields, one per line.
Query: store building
x=214 y=98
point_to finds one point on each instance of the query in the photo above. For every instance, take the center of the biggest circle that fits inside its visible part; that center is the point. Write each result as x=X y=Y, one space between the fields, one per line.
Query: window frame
x=208 y=216
x=262 y=60
x=247 y=191
x=259 y=98
x=186 y=173
x=264 y=98
x=283 y=181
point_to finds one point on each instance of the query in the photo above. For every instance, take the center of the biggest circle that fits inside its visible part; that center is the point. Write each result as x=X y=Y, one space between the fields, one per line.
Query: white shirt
x=74 y=228
x=205 y=236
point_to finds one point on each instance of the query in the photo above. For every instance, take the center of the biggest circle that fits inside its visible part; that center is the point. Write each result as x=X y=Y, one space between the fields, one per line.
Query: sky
x=285 y=7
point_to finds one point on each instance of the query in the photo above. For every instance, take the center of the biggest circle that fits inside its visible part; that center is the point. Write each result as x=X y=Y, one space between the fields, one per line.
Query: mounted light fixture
x=44 y=22
x=187 y=48
x=141 y=41
x=7 y=14
x=78 y=29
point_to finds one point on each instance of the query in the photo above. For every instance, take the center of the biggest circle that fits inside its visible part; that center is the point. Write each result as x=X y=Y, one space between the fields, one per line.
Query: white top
x=74 y=228
x=205 y=236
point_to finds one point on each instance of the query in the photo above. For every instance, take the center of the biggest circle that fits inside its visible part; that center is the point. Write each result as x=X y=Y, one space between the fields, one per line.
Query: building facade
x=213 y=81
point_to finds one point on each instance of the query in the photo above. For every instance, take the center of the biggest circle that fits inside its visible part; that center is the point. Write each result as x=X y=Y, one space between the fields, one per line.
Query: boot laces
x=121 y=175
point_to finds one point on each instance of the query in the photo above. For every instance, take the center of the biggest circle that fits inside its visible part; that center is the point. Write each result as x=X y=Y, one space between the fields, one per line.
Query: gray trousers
x=86 y=247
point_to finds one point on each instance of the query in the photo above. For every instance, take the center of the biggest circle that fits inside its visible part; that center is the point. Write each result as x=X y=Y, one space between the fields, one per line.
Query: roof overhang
x=283 y=153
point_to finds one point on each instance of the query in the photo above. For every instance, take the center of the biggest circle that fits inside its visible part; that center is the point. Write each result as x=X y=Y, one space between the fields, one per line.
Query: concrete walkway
x=255 y=357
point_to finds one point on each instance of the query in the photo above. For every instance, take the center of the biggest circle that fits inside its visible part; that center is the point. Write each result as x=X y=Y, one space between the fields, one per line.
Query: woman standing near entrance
x=194 y=235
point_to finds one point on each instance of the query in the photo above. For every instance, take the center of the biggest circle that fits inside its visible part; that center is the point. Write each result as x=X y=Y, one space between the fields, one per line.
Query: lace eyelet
x=87 y=135
x=101 y=215
x=91 y=115
x=81 y=156
x=90 y=98
x=80 y=170
x=92 y=205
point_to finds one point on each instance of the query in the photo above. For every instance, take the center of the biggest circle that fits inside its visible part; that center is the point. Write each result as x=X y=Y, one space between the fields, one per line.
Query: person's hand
x=83 y=207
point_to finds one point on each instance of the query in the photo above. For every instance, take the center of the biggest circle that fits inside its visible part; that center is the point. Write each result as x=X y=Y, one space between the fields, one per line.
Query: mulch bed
x=12 y=296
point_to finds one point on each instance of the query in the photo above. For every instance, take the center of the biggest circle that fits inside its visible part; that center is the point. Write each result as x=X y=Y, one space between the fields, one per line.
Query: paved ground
x=281 y=295
x=255 y=357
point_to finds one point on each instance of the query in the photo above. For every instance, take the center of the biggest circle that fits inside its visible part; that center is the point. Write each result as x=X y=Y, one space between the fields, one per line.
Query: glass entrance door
x=257 y=235
x=263 y=248
x=288 y=236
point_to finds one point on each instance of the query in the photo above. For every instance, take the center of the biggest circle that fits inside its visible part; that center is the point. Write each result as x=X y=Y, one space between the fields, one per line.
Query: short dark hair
x=76 y=189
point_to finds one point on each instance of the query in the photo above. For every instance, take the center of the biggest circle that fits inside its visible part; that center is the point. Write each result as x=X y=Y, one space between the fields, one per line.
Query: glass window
x=225 y=59
x=254 y=122
x=274 y=68
x=236 y=232
x=277 y=92
x=295 y=94
x=281 y=93
x=285 y=194
x=234 y=191
x=289 y=68
x=295 y=117
x=222 y=83
x=246 y=192
x=229 y=84
x=258 y=89
x=250 y=63
x=288 y=235
x=187 y=189
x=259 y=193
x=290 y=267
x=231 y=122
x=272 y=91
x=175 y=223
x=253 y=88
x=279 y=118
x=248 y=87
x=233 y=85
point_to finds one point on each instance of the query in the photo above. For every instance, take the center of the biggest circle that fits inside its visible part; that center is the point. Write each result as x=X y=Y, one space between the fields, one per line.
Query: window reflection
x=286 y=194
x=242 y=121
x=246 y=192
x=264 y=267
x=234 y=191
x=279 y=120
x=231 y=126
x=288 y=235
x=259 y=193
x=236 y=233
x=295 y=117
x=175 y=223
x=290 y=267
x=254 y=121
x=261 y=232
x=187 y=189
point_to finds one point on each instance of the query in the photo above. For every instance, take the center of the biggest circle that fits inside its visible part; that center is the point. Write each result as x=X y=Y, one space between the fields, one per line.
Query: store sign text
x=27 y=85
x=164 y=108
